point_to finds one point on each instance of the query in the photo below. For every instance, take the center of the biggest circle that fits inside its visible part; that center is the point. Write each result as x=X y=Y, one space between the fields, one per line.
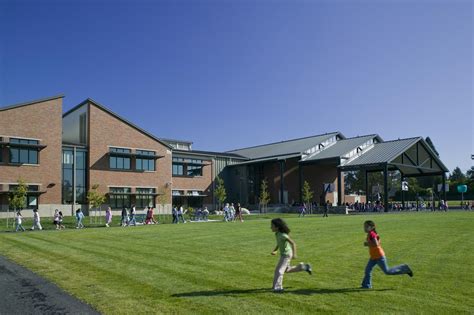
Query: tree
x=457 y=176
x=430 y=143
x=220 y=191
x=17 y=200
x=264 y=196
x=96 y=199
x=307 y=193
x=163 y=199
x=470 y=174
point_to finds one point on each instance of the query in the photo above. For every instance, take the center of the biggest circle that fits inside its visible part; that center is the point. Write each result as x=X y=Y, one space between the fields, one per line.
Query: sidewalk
x=23 y=292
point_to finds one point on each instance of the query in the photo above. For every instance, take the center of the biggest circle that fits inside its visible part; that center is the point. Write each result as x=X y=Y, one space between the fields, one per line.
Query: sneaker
x=410 y=272
x=278 y=291
x=309 y=269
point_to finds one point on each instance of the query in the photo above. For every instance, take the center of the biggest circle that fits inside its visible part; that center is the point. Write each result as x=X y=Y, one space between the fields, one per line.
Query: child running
x=287 y=249
x=377 y=257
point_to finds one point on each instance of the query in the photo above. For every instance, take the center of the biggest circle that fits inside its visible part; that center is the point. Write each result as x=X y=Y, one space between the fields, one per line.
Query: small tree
x=163 y=200
x=220 y=191
x=96 y=200
x=17 y=200
x=264 y=196
x=307 y=194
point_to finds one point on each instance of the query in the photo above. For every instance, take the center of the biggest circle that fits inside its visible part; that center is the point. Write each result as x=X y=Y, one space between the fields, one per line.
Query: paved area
x=23 y=292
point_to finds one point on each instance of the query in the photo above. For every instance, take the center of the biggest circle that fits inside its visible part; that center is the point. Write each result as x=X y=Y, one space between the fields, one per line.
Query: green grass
x=227 y=268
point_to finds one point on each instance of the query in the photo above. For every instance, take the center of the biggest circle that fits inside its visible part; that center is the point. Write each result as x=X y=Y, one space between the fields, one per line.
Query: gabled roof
x=176 y=141
x=341 y=147
x=383 y=152
x=105 y=109
x=285 y=147
x=388 y=151
x=41 y=100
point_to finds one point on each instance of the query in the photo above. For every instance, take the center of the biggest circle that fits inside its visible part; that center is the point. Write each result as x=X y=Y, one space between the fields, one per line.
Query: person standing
x=326 y=209
x=108 y=217
x=287 y=248
x=377 y=257
x=238 y=212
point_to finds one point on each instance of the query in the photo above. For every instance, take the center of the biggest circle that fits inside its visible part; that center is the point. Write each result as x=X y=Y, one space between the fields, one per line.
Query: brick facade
x=40 y=121
x=107 y=131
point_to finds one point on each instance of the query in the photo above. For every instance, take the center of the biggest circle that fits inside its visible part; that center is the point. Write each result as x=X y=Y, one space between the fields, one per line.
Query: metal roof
x=270 y=158
x=284 y=147
x=208 y=153
x=387 y=152
x=31 y=102
x=383 y=152
x=340 y=148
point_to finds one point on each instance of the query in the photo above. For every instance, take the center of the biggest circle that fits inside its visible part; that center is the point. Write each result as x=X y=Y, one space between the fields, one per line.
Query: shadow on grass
x=267 y=290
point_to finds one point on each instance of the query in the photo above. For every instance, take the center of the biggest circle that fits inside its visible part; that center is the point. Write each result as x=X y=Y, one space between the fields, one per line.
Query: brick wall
x=43 y=121
x=106 y=130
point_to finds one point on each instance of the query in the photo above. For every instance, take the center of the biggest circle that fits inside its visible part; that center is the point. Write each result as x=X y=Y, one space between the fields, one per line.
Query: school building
x=61 y=156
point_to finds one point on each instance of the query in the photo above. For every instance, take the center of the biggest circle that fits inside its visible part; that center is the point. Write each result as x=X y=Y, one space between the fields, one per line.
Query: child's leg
x=297 y=268
x=367 y=282
x=279 y=272
x=397 y=270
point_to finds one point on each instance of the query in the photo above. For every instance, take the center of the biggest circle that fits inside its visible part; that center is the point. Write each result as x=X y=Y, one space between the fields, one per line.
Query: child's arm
x=293 y=246
x=274 y=252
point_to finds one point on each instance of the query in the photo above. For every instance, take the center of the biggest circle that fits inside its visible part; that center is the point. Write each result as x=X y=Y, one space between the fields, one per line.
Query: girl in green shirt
x=287 y=248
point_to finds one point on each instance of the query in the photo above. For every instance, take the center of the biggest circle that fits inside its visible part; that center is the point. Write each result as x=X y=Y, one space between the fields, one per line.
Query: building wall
x=317 y=176
x=108 y=131
x=202 y=183
x=42 y=121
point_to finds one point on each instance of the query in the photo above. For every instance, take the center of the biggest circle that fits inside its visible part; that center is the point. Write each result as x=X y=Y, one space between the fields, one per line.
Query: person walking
x=79 y=218
x=36 y=221
x=326 y=209
x=108 y=217
x=238 y=212
x=18 y=220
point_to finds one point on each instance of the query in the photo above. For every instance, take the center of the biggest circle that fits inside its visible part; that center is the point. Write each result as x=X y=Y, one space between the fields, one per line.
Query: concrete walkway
x=23 y=292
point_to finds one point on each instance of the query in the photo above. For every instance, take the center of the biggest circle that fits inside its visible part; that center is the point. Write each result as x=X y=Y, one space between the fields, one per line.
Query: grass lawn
x=227 y=267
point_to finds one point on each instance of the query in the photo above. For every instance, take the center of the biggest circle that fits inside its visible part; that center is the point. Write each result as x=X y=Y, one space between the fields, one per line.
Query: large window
x=178 y=167
x=68 y=176
x=143 y=163
x=145 y=197
x=194 y=168
x=120 y=159
x=119 y=197
x=23 y=155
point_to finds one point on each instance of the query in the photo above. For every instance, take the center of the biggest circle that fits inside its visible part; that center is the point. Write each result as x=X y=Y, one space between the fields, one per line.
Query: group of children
x=287 y=248
x=231 y=213
x=130 y=218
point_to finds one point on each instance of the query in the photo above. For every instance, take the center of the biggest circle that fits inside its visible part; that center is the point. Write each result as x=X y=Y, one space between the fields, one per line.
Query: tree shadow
x=268 y=290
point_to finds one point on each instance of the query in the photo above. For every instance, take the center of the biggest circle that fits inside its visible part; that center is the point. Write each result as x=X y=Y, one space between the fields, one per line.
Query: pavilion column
x=339 y=187
x=282 y=184
x=444 y=187
x=300 y=181
x=385 y=187
x=366 y=187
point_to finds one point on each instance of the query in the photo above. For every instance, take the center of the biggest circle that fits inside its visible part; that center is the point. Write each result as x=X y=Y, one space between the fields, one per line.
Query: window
x=119 y=159
x=145 y=197
x=143 y=163
x=194 y=169
x=31 y=196
x=178 y=168
x=119 y=197
x=68 y=176
x=23 y=155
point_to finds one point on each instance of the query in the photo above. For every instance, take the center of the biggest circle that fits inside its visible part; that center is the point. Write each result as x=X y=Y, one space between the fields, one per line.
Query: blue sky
x=231 y=74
